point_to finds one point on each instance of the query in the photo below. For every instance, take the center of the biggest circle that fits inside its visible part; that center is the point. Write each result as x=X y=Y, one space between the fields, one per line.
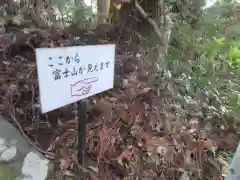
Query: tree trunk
x=103 y=11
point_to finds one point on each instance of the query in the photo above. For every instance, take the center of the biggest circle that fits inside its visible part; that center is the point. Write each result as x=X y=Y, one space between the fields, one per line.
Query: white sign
x=69 y=74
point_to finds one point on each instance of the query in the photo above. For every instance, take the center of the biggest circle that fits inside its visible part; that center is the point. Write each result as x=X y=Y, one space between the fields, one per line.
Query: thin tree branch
x=149 y=19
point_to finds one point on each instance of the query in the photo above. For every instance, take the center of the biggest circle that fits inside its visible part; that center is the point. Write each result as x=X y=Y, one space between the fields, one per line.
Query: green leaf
x=17 y=20
x=2 y=21
x=238 y=99
x=213 y=150
x=220 y=40
x=233 y=55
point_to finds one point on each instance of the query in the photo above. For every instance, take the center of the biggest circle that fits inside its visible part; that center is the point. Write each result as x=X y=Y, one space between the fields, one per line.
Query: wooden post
x=81 y=125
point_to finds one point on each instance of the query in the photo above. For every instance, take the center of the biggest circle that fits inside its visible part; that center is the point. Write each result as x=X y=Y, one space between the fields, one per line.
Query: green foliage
x=6 y=172
x=207 y=59
x=234 y=55
x=83 y=17
x=70 y=13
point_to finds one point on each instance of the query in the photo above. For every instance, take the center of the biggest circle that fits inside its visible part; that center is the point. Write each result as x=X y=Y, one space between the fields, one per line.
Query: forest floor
x=134 y=130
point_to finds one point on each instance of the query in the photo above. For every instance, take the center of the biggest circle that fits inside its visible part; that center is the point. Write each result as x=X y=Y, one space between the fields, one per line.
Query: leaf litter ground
x=135 y=130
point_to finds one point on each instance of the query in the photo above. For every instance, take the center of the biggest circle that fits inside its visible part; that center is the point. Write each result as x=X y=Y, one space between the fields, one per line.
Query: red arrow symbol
x=82 y=87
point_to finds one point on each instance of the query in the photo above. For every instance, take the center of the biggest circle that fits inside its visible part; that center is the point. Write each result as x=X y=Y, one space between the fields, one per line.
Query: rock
x=2 y=141
x=24 y=178
x=13 y=145
x=8 y=154
x=2 y=148
x=35 y=167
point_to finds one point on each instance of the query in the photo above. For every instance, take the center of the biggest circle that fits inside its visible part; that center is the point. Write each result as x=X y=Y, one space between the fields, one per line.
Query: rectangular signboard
x=69 y=74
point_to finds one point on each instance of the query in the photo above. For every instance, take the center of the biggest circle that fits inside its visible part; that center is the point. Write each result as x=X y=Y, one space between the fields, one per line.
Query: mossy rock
x=6 y=172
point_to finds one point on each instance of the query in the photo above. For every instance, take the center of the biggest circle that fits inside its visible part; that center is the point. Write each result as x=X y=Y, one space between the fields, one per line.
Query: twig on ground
x=31 y=72
x=130 y=39
x=93 y=177
x=49 y=155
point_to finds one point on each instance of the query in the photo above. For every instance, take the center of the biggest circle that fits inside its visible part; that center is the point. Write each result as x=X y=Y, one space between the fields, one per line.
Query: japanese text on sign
x=58 y=72
x=69 y=74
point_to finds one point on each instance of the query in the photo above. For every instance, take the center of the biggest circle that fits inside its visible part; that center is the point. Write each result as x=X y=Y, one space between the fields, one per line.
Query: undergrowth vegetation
x=206 y=59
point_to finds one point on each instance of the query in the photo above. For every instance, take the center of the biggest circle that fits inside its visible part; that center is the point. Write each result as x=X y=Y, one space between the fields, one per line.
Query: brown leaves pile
x=133 y=130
